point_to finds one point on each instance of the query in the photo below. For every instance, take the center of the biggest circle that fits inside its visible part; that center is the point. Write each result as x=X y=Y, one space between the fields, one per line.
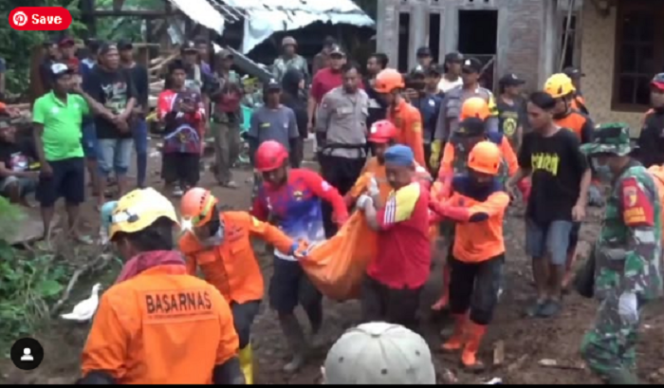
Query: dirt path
x=526 y=341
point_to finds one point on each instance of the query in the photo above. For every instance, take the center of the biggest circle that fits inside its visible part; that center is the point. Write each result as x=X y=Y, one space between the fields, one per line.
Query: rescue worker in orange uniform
x=405 y=117
x=292 y=197
x=472 y=130
x=220 y=244
x=657 y=173
x=477 y=206
x=158 y=324
x=382 y=135
x=561 y=88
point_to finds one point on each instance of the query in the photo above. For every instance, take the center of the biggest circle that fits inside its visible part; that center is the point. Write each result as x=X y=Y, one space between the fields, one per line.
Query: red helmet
x=382 y=132
x=270 y=155
x=658 y=81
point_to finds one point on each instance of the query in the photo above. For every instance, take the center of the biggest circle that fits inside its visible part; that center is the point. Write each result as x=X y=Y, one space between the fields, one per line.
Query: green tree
x=16 y=46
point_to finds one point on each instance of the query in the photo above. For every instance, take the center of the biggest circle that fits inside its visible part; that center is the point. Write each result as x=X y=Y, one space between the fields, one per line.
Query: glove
x=434 y=159
x=298 y=250
x=595 y=197
x=363 y=201
x=628 y=307
x=373 y=189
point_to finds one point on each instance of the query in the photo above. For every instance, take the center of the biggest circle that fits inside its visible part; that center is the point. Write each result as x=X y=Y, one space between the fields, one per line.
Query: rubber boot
x=457 y=340
x=622 y=377
x=444 y=300
x=474 y=335
x=247 y=364
x=295 y=338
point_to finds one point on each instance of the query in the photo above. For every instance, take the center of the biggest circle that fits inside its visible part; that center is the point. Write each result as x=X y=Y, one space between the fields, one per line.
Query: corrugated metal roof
x=202 y=12
x=262 y=18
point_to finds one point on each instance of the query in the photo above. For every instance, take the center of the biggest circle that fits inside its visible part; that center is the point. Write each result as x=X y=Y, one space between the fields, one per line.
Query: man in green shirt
x=57 y=118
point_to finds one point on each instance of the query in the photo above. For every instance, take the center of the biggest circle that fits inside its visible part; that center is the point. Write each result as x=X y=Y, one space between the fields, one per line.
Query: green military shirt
x=628 y=251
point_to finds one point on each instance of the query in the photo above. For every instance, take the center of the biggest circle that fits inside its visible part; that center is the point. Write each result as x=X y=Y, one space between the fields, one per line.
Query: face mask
x=604 y=172
x=216 y=239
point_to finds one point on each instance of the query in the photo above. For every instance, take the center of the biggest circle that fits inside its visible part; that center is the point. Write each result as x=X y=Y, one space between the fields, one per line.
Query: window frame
x=624 y=6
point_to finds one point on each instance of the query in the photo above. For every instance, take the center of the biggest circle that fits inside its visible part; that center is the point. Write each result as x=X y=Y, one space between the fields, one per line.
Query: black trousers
x=382 y=303
x=243 y=318
x=475 y=286
x=340 y=173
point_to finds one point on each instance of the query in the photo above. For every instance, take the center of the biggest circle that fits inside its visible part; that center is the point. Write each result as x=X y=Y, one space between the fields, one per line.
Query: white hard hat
x=379 y=353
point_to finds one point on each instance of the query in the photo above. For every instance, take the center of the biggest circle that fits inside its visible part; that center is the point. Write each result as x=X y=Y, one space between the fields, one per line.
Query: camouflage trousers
x=227 y=143
x=610 y=346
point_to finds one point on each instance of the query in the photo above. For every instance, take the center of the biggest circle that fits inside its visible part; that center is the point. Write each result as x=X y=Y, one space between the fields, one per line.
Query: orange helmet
x=485 y=157
x=270 y=155
x=197 y=206
x=388 y=80
x=382 y=132
x=475 y=107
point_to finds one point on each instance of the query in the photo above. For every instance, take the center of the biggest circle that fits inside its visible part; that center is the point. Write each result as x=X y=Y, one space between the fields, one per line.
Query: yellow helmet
x=559 y=85
x=139 y=209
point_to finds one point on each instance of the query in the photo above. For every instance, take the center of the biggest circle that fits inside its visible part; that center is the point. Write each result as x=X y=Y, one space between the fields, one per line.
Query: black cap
x=272 y=85
x=418 y=71
x=573 y=72
x=423 y=52
x=453 y=57
x=511 y=79
x=433 y=71
x=188 y=46
x=471 y=127
x=125 y=44
x=58 y=69
x=472 y=64
x=336 y=50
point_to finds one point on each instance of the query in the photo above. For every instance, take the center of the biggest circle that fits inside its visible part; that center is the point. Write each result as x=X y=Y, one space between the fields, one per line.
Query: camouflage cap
x=612 y=138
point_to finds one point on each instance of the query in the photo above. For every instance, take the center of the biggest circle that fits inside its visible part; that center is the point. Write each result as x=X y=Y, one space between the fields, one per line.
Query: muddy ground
x=526 y=341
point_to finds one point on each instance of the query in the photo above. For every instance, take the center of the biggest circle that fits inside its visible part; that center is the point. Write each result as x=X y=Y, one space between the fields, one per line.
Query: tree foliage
x=16 y=46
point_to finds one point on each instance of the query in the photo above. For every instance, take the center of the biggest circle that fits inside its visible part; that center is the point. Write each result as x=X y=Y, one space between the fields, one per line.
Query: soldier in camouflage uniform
x=627 y=256
x=289 y=59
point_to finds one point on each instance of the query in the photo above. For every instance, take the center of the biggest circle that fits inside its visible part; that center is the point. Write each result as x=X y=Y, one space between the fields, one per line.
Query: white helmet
x=379 y=353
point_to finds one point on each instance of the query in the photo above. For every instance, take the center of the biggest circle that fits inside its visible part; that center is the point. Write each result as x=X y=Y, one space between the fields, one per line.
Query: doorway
x=478 y=37
x=478 y=32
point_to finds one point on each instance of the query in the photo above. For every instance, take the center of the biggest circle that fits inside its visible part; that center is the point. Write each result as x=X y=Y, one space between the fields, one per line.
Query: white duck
x=85 y=309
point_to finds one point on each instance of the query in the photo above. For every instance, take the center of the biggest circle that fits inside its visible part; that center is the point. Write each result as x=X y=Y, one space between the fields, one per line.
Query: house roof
x=264 y=17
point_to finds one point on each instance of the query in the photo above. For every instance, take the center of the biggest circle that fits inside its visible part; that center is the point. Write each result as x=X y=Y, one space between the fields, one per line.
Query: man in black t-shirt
x=112 y=87
x=511 y=109
x=140 y=79
x=560 y=179
x=18 y=172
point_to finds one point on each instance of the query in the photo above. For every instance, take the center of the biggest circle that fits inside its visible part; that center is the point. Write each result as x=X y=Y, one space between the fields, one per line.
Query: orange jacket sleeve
x=106 y=347
x=510 y=156
x=270 y=234
x=229 y=343
x=494 y=204
x=446 y=167
x=414 y=135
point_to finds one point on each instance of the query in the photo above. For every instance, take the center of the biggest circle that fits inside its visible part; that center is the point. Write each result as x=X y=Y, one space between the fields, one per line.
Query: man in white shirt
x=452 y=76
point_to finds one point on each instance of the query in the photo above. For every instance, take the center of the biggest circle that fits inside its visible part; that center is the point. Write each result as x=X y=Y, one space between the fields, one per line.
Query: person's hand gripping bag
x=337 y=266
